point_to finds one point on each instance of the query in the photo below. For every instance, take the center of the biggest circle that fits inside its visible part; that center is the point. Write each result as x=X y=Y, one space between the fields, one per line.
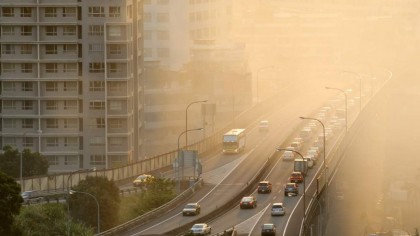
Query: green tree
x=33 y=162
x=48 y=220
x=83 y=207
x=10 y=203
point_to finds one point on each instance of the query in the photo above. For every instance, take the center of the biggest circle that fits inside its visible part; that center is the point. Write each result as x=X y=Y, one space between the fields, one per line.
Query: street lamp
x=345 y=101
x=186 y=120
x=179 y=156
x=97 y=204
x=360 y=86
x=304 y=178
x=68 y=191
x=258 y=75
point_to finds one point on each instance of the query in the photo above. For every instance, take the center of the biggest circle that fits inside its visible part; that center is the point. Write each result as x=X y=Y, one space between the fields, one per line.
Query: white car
x=314 y=153
x=288 y=155
x=263 y=126
x=296 y=145
x=201 y=229
x=277 y=209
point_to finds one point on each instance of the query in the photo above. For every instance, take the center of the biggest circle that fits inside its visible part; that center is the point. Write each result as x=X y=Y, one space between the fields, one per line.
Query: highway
x=226 y=175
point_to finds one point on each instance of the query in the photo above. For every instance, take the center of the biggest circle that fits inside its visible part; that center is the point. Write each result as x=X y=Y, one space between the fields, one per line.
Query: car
x=310 y=161
x=296 y=145
x=306 y=133
x=314 y=153
x=263 y=125
x=277 y=209
x=191 y=209
x=31 y=196
x=142 y=180
x=248 y=202
x=268 y=229
x=291 y=188
x=288 y=155
x=200 y=229
x=264 y=187
x=296 y=177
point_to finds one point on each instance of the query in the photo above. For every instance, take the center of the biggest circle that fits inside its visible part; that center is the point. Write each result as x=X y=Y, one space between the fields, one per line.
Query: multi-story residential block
x=70 y=80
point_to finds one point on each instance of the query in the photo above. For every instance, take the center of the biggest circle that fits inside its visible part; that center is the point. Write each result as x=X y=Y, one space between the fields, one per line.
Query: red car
x=248 y=202
x=296 y=177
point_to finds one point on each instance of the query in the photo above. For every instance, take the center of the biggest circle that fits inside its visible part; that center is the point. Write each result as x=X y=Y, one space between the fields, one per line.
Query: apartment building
x=71 y=80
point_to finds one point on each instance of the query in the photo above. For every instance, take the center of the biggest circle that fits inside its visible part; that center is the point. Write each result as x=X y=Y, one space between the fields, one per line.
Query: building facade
x=71 y=80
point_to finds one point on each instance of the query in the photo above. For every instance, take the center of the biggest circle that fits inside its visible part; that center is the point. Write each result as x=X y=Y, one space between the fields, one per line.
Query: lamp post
x=22 y=184
x=258 y=75
x=304 y=178
x=68 y=192
x=345 y=101
x=186 y=119
x=179 y=156
x=360 y=86
x=97 y=205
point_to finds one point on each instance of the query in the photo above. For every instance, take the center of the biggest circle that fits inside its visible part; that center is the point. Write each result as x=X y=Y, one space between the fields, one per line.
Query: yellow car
x=142 y=180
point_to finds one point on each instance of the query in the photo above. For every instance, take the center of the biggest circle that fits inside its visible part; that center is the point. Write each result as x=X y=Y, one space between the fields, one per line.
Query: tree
x=10 y=203
x=33 y=162
x=83 y=207
x=48 y=220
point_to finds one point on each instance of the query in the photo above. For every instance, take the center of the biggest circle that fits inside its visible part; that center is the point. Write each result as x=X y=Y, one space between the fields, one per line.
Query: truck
x=301 y=165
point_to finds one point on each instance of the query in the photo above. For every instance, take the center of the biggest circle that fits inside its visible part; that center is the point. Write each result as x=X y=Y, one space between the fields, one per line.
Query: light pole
x=304 y=178
x=22 y=185
x=258 y=75
x=179 y=156
x=360 y=86
x=68 y=192
x=97 y=205
x=345 y=101
x=186 y=120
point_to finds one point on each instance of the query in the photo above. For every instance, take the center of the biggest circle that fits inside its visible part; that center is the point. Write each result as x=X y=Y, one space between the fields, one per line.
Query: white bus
x=234 y=141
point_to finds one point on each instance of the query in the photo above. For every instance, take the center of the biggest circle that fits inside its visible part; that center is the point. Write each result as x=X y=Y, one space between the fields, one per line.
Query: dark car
x=264 y=187
x=191 y=209
x=268 y=229
x=248 y=202
x=291 y=188
x=296 y=177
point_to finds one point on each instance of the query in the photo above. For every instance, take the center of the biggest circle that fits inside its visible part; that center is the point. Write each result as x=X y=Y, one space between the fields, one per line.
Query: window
x=148 y=52
x=97 y=160
x=70 y=105
x=96 y=86
x=10 y=123
x=51 y=86
x=9 y=105
x=115 y=105
x=163 y=17
x=69 y=67
x=114 y=68
x=28 y=141
x=27 y=86
x=96 y=67
x=97 y=122
x=52 y=141
x=97 y=141
x=53 y=160
x=51 y=49
x=10 y=141
x=70 y=160
x=116 y=87
x=8 y=49
x=116 y=141
x=51 y=30
x=8 y=67
x=27 y=105
x=162 y=35
x=115 y=124
x=114 y=12
x=51 y=68
x=70 y=123
x=95 y=47
x=52 y=105
x=97 y=105
x=163 y=52
x=25 y=12
x=50 y=12
x=25 y=49
x=52 y=123
x=9 y=86
x=26 y=68
x=69 y=30
x=26 y=30
x=71 y=142
x=27 y=123
x=96 y=12
x=70 y=86
x=115 y=49
x=69 y=11
x=95 y=30
x=69 y=49
x=8 y=11
x=147 y=17
x=114 y=31
x=8 y=30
